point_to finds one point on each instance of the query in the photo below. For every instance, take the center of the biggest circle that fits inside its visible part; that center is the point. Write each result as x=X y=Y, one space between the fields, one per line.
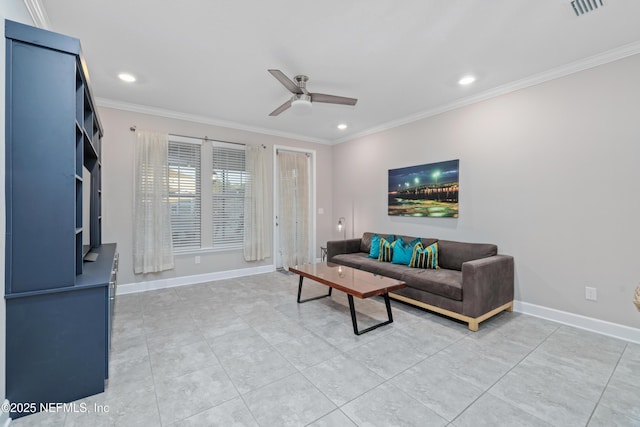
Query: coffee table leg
x=310 y=299
x=388 y=304
x=352 y=309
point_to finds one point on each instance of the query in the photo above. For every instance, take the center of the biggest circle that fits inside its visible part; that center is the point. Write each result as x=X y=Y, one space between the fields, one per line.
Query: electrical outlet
x=590 y=293
x=197 y=259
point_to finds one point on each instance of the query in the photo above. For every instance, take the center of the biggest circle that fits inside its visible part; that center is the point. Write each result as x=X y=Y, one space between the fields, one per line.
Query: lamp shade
x=342 y=226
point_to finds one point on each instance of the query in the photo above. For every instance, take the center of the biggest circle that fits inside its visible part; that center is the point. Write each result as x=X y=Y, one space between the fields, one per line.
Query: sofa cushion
x=425 y=257
x=386 y=269
x=407 y=238
x=361 y=261
x=374 y=252
x=428 y=241
x=452 y=254
x=403 y=250
x=446 y=283
x=386 y=250
x=355 y=260
x=365 y=242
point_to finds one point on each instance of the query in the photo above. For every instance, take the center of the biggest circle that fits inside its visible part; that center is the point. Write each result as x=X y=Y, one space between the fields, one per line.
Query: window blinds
x=184 y=194
x=228 y=185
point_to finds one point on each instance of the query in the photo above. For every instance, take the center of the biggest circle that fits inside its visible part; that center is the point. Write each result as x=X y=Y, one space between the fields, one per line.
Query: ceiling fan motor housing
x=301 y=80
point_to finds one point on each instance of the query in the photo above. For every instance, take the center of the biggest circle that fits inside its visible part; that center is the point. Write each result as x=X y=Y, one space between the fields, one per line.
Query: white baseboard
x=4 y=416
x=614 y=330
x=132 y=288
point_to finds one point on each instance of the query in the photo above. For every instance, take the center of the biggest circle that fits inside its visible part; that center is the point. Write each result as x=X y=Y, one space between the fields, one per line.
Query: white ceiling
x=208 y=60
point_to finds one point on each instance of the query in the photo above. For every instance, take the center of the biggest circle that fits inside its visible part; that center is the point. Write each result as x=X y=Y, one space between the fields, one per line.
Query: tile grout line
x=188 y=373
x=388 y=380
x=229 y=378
x=604 y=389
x=153 y=378
x=488 y=389
x=298 y=371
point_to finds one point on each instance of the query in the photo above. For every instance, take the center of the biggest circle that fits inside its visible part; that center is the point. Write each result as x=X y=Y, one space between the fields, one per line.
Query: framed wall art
x=429 y=190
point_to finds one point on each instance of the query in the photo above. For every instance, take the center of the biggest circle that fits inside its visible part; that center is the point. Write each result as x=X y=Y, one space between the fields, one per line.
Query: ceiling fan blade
x=281 y=108
x=286 y=81
x=332 y=99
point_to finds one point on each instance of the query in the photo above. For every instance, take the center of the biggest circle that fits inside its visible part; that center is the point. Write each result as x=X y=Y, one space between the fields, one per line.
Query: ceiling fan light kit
x=301 y=104
x=302 y=99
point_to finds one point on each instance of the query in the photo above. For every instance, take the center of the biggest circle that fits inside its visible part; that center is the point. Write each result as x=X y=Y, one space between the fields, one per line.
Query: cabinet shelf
x=90 y=154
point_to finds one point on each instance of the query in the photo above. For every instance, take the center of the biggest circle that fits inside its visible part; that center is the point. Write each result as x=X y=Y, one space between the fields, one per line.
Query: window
x=217 y=220
x=229 y=179
x=184 y=194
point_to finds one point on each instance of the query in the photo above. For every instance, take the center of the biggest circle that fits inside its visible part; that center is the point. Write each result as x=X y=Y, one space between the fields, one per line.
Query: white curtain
x=152 y=243
x=256 y=232
x=294 y=212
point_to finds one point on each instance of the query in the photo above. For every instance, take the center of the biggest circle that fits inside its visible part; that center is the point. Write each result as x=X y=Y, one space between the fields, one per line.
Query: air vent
x=580 y=7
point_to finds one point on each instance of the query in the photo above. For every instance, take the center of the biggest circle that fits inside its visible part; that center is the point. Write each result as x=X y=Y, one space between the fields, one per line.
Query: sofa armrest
x=337 y=247
x=487 y=283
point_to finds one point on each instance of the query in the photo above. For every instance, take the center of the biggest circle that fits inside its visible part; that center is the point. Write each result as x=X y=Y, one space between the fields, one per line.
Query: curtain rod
x=134 y=128
x=292 y=151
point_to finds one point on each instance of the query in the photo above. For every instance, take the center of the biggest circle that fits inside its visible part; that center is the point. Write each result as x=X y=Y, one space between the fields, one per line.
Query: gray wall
x=117 y=167
x=14 y=10
x=549 y=173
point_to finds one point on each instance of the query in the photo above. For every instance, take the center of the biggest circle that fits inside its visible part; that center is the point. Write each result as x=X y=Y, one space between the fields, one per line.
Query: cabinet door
x=41 y=187
x=56 y=346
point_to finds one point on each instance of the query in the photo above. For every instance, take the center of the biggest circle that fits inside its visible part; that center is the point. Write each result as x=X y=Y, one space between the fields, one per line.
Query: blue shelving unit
x=58 y=307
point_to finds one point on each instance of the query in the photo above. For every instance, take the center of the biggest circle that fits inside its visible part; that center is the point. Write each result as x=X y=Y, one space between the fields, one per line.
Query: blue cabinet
x=58 y=307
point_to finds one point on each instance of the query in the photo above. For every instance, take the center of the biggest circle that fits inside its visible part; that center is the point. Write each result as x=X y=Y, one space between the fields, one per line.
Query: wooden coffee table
x=351 y=281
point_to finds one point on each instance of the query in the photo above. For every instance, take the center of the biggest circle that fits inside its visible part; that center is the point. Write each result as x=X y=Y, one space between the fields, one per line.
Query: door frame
x=312 y=201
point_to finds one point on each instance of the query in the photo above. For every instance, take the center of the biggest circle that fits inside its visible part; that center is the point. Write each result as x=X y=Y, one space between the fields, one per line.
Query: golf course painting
x=429 y=190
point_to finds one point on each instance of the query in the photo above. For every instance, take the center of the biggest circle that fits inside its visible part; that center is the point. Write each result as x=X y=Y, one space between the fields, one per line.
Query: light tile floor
x=242 y=352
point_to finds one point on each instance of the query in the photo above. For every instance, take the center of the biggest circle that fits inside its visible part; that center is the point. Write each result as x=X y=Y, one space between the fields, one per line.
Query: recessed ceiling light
x=342 y=126
x=466 y=80
x=126 y=77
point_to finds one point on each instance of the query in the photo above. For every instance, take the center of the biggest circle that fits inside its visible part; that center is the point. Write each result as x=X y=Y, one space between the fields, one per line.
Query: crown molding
x=556 y=73
x=38 y=13
x=160 y=112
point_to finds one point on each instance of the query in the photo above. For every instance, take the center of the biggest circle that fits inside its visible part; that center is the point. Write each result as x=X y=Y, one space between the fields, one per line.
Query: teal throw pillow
x=386 y=250
x=374 y=251
x=425 y=257
x=403 y=251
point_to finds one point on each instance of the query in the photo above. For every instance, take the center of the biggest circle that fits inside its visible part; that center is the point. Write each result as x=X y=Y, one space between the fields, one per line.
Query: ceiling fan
x=301 y=97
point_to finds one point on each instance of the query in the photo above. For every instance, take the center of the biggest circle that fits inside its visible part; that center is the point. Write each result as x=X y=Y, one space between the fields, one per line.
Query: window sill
x=190 y=252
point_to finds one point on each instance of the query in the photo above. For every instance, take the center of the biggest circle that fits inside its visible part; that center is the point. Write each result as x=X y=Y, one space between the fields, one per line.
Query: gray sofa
x=472 y=284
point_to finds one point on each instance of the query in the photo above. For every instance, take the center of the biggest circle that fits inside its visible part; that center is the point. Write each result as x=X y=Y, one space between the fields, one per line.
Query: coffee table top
x=352 y=281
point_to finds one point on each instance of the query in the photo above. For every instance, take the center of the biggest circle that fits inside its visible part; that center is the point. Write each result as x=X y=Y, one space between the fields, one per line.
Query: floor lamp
x=342 y=226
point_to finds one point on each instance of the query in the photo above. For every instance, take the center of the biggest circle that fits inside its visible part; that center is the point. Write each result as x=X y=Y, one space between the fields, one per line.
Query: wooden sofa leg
x=473 y=325
x=510 y=308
